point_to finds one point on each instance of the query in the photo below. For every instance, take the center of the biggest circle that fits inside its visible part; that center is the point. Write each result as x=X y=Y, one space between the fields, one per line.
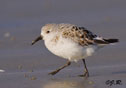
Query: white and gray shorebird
x=71 y=42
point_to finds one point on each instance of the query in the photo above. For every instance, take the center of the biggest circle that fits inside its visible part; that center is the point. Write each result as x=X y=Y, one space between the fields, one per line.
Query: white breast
x=68 y=49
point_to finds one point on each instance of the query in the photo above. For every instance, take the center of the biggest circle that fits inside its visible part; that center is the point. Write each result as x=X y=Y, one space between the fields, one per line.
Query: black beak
x=37 y=39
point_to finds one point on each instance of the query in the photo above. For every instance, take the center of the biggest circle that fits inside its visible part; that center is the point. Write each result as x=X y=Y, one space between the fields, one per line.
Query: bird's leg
x=86 y=73
x=57 y=70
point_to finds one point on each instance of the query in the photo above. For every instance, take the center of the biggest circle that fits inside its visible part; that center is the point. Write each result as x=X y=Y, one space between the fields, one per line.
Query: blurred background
x=21 y=21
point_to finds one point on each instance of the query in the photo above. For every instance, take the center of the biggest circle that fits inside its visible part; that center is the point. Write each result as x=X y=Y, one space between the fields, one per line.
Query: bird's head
x=46 y=33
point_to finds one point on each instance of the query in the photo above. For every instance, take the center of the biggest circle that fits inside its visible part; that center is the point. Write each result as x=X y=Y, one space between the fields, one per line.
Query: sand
x=26 y=66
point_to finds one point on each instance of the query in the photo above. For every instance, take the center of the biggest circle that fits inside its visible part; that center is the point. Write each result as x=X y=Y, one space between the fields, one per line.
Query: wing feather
x=83 y=36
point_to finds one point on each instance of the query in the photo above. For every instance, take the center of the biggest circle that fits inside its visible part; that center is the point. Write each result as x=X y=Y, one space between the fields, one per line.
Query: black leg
x=86 y=73
x=57 y=70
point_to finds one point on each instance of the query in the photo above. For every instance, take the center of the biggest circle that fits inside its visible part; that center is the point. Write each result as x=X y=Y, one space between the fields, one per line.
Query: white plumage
x=65 y=47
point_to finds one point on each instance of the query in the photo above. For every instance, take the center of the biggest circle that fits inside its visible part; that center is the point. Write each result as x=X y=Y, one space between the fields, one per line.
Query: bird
x=72 y=43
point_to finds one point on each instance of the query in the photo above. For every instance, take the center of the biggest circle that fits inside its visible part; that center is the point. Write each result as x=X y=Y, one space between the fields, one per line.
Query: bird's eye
x=47 y=31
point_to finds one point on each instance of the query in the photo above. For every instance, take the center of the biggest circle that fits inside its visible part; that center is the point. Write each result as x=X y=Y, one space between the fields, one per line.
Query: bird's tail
x=111 y=40
x=100 y=40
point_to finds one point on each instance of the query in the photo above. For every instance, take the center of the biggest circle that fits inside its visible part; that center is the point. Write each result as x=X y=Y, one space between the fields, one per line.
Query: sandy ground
x=26 y=66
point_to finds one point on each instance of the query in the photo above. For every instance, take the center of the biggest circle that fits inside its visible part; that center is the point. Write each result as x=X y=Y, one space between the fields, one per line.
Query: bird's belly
x=71 y=51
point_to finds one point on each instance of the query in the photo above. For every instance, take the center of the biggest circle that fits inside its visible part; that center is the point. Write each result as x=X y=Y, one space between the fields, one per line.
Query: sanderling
x=71 y=42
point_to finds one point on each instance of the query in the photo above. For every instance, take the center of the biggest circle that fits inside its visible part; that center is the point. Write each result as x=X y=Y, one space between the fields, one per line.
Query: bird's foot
x=53 y=73
x=86 y=74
